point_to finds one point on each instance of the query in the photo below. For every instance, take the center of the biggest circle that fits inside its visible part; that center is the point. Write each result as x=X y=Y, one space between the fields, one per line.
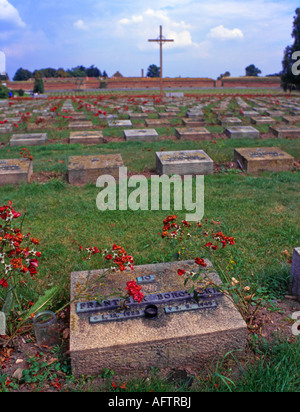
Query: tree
x=38 y=83
x=22 y=75
x=3 y=92
x=153 y=71
x=93 y=71
x=226 y=74
x=290 y=78
x=104 y=74
x=252 y=70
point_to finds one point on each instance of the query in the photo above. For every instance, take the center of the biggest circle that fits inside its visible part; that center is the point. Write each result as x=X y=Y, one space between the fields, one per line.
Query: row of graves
x=168 y=328
x=281 y=119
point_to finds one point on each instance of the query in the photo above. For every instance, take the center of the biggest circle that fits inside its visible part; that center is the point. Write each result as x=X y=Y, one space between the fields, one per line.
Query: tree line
x=78 y=71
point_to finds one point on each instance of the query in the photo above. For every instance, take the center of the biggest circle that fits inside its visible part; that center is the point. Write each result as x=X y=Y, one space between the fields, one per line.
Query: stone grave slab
x=183 y=333
x=28 y=139
x=119 y=123
x=276 y=113
x=15 y=171
x=157 y=122
x=242 y=132
x=262 y=120
x=165 y=115
x=271 y=159
x=249 y=113
x=88 y=137
x=187 y=162
x=143 y=135
x=291 y=119
x=137 y=116
x=295 y=273
x=78 y=117
x=6 y=128
x=80 y=124
x=87 y=169
x=193 y=122
x=230 y=121
x=285 y=131
x=200 y=133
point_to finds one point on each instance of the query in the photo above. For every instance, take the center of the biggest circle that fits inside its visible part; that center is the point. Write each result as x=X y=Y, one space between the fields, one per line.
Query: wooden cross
x=161 y=40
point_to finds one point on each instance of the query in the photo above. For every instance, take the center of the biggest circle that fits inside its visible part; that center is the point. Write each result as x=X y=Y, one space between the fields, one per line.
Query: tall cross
x=161 y=40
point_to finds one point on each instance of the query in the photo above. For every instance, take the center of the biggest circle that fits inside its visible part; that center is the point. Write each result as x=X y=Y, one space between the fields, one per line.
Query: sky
x=210 y=37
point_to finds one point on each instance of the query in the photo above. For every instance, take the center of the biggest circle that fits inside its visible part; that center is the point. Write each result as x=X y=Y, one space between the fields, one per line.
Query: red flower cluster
x=200 y=262
x=224 y=239
x=26 y=154
x=134 y=290
x=8 y=213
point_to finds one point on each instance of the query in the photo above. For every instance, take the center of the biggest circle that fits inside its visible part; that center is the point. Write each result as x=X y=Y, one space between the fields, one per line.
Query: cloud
x=80 y=25
x=222 y=33
x=2 y=63
x=9 y=14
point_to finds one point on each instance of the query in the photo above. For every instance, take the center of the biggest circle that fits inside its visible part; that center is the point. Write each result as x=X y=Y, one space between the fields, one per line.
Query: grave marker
x=183 y=333
x=271 y=159
x=285 y=131
x=15 y=171
x=295 y=273
x=92 y=137
x=28 y=139
x=242 y=132
x=200 y=133
x=188 y=162
x=87 y=169
x=143 y=135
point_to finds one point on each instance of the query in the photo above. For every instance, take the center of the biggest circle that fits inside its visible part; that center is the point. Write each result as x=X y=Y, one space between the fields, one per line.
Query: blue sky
x=211 y=37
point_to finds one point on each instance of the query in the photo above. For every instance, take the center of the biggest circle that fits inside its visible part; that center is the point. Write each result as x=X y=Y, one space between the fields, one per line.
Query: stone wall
x=72 y=84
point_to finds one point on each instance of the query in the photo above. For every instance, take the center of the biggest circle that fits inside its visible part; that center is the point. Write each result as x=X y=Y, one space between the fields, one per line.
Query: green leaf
x=44 y=301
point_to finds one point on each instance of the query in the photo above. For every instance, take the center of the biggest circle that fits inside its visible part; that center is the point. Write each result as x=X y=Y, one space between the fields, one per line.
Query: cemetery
x=131 y=321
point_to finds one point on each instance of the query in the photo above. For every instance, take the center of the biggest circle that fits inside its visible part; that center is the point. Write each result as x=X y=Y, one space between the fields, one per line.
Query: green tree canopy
x=290 y=80
x=22 y=74
x=153 y=71
x=252 y=70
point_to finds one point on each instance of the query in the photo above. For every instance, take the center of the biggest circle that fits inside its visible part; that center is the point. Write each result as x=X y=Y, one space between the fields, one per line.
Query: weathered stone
x=2 y=324
x=87 y=169
x=200 y=133
x=15 y=171
x=230 y=121
x=143 y=135
x=193 y=122
x=188 y=162
x=80 y=125
x=28 y=139
x=157 y=122
x=242 y=132
x=262 y=120
x=172 y=339
x=285 y=131
x=271 y=159
x=291 y=119
x=295 y=274
x=92 y=137
x=119 y=123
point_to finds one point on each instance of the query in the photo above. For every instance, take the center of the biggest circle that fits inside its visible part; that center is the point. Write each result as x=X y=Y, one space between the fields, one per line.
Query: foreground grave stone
x=271 y=159
x=92 y=137
x=87 y=169
x=200 y=133
x=28 y=139
x=143 y=135
x=188 y=162
x=184 y=334
x=80 y=124
x=295 y=274
x=262 y=120
x=242 y=132
x=15 y=171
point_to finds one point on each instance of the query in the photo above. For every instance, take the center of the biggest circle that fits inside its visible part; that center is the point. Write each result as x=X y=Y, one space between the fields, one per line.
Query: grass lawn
x=261 y=212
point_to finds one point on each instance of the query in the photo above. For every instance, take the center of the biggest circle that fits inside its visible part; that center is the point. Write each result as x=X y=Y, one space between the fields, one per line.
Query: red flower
x=181 y=272
x=3 y=283
x=200 y=262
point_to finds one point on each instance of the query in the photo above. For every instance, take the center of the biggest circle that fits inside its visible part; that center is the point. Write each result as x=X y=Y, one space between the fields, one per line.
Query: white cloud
x=222 y=33
x=80 y=25
x=9 y=14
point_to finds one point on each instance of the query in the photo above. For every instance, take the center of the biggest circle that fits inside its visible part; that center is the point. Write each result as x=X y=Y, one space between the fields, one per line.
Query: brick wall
x=145 y=83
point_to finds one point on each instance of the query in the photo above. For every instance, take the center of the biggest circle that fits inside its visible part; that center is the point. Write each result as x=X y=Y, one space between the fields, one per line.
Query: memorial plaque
x=200 y=133
x=271 y=159
x=193 y=122
x=242 y=132
x=262 y=120
x=80 y=125
x=15 y=171
x=87 y=169
x=92 y=137
x=119 y=123
x=285 y=131
x=291 y=119
x=157 y=122
x=142 y=135
x=137 y=116
x=185 y=333
x=28 y=139
x=230 y=121
x=188 y=162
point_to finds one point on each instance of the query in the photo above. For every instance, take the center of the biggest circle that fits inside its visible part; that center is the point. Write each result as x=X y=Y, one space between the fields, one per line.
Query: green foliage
x=251 y=70
x=22 y=75
x=153 y=71
x=3 y=92
x=288 y=80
